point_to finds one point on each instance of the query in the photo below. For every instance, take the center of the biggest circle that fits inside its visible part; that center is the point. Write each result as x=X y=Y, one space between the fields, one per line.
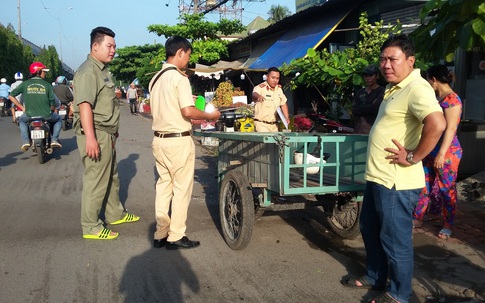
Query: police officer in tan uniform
x=268 y=97
x=173 y=107
x=96 y=123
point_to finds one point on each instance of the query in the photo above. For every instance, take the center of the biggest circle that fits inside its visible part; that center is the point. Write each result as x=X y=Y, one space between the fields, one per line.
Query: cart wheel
x=236 y=210
x=343 y=216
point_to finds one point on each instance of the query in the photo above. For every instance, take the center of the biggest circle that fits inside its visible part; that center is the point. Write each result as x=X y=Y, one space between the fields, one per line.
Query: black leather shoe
x=182 y=243
x=158 y=243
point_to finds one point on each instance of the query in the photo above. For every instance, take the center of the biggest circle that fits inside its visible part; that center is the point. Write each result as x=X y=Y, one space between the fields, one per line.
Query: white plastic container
x=298 y=158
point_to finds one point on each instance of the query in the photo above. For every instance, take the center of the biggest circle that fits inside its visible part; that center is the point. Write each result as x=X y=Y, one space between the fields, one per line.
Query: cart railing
x=268 y=161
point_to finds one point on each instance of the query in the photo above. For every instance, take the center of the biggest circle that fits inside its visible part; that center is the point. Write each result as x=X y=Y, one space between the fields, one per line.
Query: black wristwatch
x=409 y=158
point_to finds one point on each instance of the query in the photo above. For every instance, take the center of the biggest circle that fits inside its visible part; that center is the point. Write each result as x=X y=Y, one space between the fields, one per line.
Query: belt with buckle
x=171 y=135
x=267 y=122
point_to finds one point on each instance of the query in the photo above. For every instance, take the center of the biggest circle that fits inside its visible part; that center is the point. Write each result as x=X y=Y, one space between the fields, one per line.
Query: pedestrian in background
x=173 y=107
x=132 y=95
x=409 y=115
x=443 y=161
x=367 y=100
x=269 y=97
x=96 y=124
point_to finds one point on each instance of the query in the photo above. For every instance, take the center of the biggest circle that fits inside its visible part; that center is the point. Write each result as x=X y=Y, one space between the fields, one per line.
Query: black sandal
x=363 y=280
x=384 y=298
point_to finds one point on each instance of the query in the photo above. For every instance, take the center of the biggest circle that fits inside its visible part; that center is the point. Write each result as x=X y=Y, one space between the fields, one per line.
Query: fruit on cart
x=224 y=93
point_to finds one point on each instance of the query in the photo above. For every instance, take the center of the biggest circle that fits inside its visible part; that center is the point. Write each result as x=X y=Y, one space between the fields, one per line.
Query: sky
x=67 y=24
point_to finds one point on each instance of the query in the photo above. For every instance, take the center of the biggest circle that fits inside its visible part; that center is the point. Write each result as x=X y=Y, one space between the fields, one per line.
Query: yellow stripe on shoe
x=128 y=218
x=104 y=234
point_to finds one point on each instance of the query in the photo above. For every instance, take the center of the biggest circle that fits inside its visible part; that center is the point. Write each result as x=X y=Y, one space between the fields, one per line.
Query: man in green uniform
x=38 y=97
x=96 y=123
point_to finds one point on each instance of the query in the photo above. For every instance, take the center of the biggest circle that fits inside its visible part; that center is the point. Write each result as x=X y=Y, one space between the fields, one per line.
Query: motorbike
x=325 y=125
x=4 y=107
x=40 y=137
x=65 y=113
x=18 y=113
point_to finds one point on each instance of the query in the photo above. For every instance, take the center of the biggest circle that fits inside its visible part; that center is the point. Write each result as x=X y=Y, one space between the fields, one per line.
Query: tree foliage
x=278 y=12
x=14 y=56
x=208 y=47
x=137 y=62
x=49 y=57
x=447 y=25
x=340 y=72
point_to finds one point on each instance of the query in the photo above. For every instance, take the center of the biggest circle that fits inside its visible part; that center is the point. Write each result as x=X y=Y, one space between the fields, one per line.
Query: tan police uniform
x=93 y=84
x=265 y=111
x=174 y=152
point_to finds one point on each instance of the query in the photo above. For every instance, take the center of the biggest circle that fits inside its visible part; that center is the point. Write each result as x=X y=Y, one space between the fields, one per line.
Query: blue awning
x=296 y=41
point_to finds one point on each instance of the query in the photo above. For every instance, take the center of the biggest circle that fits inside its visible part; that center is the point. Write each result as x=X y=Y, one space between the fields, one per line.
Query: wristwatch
x=409 y=158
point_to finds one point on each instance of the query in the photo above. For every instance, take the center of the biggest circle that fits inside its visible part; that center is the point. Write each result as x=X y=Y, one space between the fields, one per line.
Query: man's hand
x=398 y=155
x=93 y=151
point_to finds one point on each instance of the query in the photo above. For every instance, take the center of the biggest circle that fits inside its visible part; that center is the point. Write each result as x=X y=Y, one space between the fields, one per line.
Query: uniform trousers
x=175 y=163
x=100 y=184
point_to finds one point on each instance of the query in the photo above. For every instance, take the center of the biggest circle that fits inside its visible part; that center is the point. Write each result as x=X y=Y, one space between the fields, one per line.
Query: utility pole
x=20 y=21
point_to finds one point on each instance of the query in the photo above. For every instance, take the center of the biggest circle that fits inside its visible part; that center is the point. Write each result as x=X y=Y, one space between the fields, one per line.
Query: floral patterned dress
x=445 y=177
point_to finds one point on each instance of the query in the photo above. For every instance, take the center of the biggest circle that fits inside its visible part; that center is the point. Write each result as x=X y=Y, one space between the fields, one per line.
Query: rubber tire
x=41 y=155
x=64 y=125
x=344 y=218
x=236 y=210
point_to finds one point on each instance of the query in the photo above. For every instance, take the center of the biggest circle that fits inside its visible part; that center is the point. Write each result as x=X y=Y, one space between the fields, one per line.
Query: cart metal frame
x=262 y=165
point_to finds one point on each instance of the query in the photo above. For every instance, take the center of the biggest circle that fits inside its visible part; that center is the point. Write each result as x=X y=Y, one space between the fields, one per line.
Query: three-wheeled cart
x=262 y=171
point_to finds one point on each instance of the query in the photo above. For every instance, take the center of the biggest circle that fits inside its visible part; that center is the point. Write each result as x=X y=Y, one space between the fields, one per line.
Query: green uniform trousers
x=100 y=184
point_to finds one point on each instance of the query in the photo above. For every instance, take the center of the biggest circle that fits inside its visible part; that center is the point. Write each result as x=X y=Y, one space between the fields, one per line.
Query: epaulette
x=262 y=85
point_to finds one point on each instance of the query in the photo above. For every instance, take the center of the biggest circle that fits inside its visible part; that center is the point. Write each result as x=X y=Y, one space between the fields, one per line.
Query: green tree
x=278 y=12
x=447 y=25
x=137 y=62
x=49 y=57
x=339 y=73
x=207 y=45
x=14 y=56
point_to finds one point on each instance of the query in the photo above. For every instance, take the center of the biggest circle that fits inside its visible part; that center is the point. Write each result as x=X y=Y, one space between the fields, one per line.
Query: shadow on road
x=126 y=172
x=158 y=275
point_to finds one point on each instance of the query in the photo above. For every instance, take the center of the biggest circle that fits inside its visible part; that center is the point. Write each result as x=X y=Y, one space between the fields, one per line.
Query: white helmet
x=3 y=80
x=18 y=76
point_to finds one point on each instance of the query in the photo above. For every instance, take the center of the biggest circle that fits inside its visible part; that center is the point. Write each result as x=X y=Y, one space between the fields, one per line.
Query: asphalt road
x=43 y=257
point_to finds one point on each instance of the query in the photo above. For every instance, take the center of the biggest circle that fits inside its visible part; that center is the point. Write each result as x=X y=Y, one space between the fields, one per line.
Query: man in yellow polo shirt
x=408 y=126
x=268 y=96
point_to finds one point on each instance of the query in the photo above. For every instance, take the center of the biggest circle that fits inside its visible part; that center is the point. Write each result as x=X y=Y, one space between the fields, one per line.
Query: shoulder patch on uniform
x=262 y=85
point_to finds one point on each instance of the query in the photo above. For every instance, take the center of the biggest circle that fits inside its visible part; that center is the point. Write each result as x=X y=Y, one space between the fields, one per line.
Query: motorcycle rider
x=39 y=100
x=63 y=92
x=4 y=91
x=19 y=77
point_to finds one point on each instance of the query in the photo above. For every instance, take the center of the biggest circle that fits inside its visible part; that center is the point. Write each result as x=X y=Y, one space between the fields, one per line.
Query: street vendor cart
x=282 y=171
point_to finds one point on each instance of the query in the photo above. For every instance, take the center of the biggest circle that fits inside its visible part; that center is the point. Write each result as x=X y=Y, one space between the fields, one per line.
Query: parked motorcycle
x=40 y=136
x=325 y=125
x=65 y=113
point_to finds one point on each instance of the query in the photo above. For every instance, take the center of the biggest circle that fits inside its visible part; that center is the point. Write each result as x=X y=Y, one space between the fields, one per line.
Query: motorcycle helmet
x=18 y=76
x=3 y=80
x=37 y=66
x=61 y=79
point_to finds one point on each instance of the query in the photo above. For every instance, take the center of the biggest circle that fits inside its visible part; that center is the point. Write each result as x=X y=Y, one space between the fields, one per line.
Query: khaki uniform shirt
x=400 y=117
x=169 y=95
x=93 y=84
x=273 y=98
